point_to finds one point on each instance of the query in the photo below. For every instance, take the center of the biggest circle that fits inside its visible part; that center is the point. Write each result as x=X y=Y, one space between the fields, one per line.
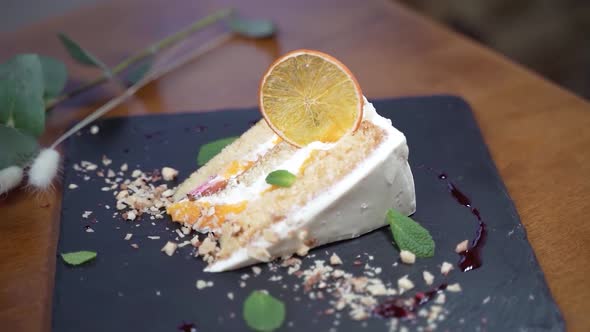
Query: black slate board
x=118 y=291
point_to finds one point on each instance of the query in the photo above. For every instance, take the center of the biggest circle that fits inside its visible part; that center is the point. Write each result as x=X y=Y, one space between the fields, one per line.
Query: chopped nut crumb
x=230 y=296
x=94 y=130
x=131 y=215
x=128 y=236
x=135 y=245
x=454 y=288
x=256 y=270
x=407 y=257
x=86 y=214
x=169 y=248
x=200 y=284
x=124 y=167
x=440 y=299
x=462 y=246
x=404 y=284
x=445 y=268
x=72 y=186
x=169 y=173
x=335 y=260
x=428 y=277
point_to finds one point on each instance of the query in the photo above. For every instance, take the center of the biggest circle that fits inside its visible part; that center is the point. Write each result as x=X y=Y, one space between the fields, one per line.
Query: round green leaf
x=17 y=148
x=263 y=312
x=22 y=107
x=55 y=76
x=26 y=71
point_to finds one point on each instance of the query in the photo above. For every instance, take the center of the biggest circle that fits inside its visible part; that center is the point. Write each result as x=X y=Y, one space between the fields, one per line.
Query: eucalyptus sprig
x=31 y=84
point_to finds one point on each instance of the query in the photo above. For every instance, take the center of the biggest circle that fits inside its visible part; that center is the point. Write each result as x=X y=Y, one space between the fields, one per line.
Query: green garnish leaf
x=409 y=235
x=21 y=94
x=78 y=257
x=252 y=28
x=55 y=76
x=17 y=147
x=263 y=312
x=81 y=55
x=281 y=178
x=138 y=72
x=211 y=149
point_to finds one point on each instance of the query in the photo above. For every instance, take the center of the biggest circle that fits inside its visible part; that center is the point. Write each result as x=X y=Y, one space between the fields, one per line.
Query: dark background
x=551 y=37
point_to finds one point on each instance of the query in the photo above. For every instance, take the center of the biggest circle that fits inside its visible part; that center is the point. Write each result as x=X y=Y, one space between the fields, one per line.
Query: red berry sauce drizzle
x=470 y=258
x=187 y=327
x=406 y=308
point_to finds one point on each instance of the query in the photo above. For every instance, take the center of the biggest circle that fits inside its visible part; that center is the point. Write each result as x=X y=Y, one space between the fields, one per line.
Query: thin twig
x=151 y=76
x=145 y=53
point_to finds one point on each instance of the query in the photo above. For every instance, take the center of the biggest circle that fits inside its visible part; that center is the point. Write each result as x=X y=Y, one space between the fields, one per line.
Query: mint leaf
x=17 y=148
x=409 y=235
x=281 y=178
x=81 y=55
x=78 y=257
x=55 y=76
x=263 y=312
x=252 y=28
x=211 y=149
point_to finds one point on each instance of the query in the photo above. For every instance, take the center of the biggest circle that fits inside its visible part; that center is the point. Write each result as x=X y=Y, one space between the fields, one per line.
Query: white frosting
x=352 y=207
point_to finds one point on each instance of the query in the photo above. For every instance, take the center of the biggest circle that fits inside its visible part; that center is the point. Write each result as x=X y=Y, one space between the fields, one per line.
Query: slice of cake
x=342 y=189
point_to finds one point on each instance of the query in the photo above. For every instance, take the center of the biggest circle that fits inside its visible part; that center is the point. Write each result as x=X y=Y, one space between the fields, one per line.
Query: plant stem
x=151 y=76
x=145 y=53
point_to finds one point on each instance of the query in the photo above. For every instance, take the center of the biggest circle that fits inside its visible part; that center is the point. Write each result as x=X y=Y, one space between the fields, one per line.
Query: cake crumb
x=169 y=248
x=454 y=288
x=407 y=257
x=462 y=246
x=335 y=260
x=303 y=250
x=428 y=277
x=207 y=247
x=440 y=299
x=72 y=186
x=94 y=130
x=270 y=236
x=124 y=167
x=257 y=270
x=230 y=296
x=445 y=268
x=169 y=173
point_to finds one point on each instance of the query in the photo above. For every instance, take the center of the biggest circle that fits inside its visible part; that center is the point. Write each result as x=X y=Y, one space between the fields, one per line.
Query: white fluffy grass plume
x=44 y=169
x=10 y=177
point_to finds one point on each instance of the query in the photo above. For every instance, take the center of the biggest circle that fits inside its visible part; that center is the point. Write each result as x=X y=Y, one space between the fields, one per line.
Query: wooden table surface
x=537 y=132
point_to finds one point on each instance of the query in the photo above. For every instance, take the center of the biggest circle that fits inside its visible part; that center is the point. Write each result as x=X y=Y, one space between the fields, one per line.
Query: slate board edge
x=440 y=98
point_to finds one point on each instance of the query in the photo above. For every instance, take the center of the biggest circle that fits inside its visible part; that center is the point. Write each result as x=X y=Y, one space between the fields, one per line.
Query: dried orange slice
x=308 y=96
